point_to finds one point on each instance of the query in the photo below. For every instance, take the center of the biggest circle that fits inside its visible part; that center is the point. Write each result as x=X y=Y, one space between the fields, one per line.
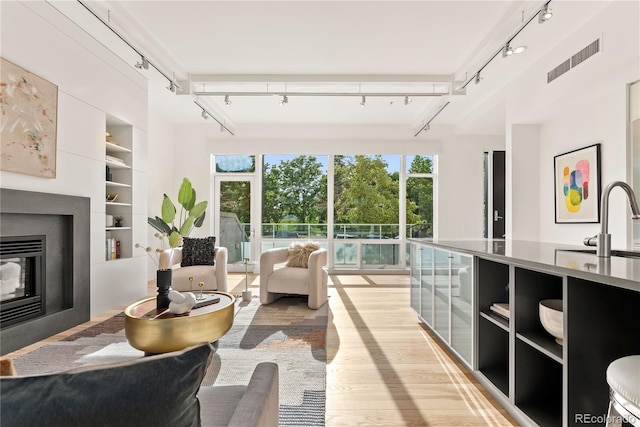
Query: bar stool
x=623 y=377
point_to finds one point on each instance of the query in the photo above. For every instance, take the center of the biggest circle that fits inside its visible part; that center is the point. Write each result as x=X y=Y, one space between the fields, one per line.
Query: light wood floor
x=383 y=368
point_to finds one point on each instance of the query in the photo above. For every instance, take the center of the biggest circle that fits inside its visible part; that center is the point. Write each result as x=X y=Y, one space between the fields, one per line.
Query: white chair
x=623 y=377
x=213 y=276
x=277 y=281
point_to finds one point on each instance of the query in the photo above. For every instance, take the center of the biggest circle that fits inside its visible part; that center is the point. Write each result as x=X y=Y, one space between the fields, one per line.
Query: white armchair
x=277 y=281
x=213 y=276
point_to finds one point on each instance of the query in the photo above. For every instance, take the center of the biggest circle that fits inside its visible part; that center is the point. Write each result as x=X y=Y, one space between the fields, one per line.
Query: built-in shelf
x=114 y=148
x=499 y=321
x=117 y=184
x=117 y=165
x=543 y=343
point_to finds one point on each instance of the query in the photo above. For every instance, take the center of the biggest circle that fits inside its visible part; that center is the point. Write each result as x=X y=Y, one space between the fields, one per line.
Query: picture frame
x=577 y=186
x=29 y=122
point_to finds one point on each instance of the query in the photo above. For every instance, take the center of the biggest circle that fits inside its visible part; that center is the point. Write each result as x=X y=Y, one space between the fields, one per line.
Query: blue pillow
x=152 y=391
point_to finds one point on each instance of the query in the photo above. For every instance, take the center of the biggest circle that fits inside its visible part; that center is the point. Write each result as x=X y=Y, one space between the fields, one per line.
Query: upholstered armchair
x=213 y=276
x=278 y=280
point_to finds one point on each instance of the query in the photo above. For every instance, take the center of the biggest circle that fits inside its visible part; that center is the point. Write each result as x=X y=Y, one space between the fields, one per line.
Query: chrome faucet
x=602 y=240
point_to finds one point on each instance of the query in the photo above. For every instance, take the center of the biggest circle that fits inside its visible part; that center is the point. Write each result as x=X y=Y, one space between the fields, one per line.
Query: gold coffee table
x=154 y=332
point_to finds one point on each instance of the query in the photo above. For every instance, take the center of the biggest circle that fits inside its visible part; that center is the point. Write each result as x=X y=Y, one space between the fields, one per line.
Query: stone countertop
x=552 y=257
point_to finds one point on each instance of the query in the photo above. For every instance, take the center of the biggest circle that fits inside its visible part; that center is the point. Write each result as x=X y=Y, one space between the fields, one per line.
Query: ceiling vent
x=572 y=62
x=558 y=71
x=585 y=53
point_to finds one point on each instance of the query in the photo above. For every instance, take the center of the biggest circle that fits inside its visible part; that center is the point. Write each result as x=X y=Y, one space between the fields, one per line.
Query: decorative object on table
x=552 y=317
x=191 y=215
x=191 y=283
x=118 y=220
x=112 y=197
x=163 y=282
x=109 y=220
x=181 y=303
x=577 y=185
x=164 y=272
x=246 y=294
x=201 y=297
x=28 y=121
x=501 y=309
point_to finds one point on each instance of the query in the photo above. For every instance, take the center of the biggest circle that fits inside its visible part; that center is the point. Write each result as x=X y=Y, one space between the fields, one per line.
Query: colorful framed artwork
x=577 y=185
x=28 y=123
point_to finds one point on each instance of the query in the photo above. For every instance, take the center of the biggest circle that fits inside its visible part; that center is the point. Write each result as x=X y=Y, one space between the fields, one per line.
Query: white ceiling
x=320 y=46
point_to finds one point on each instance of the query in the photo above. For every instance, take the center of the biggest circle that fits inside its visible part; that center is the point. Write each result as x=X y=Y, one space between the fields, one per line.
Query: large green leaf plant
x=192 y=215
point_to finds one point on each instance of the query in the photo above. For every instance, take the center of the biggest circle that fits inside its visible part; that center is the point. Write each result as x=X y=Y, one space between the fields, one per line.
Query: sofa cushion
x=299 y=254
x=289 y=280
x=151 y=391
x=198 y=251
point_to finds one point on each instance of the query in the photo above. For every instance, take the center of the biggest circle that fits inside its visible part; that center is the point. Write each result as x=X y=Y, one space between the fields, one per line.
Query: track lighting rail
x=143 y=58
x=535 y=15
x=358 y=94
x=427 y=125
x=206 y=112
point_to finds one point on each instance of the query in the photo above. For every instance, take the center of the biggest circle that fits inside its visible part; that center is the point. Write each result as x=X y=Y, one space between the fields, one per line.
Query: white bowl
x=551 y=317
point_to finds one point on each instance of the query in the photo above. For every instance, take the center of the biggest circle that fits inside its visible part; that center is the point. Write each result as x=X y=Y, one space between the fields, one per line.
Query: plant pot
x=163 y=281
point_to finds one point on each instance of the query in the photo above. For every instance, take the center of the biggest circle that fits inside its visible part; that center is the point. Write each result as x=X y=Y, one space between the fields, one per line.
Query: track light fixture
x=518 y=50
x=227 y=101
x=284 y=100
x=172 y=86
x=478 y=78
x=545 y=14
x=364 y=101
x=407 y=100
x=142 y=64
x=507 y=50
x=206 y=114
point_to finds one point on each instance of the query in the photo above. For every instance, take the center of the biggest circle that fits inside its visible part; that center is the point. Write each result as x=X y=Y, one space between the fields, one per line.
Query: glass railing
x=355 y=246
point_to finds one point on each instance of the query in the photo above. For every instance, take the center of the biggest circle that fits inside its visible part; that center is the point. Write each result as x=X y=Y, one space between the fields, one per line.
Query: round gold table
x=154 y=332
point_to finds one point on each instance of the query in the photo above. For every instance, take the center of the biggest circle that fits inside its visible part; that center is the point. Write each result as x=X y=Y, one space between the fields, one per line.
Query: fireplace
x=22 y=274
x=44 y=265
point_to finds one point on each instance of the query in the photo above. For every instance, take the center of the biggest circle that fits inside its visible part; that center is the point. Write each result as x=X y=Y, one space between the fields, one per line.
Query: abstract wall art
x=28 y=123
x=577 y=185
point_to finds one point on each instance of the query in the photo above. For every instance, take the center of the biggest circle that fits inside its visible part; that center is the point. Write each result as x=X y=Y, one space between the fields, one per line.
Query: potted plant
x=174 y=227
x=118 y=219
x=192 y=215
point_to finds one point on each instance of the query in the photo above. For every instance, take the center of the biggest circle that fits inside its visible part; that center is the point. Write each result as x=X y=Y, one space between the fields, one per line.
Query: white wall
x=92 y=83
x=522 y=174
x=161 y=175
x=585 y=106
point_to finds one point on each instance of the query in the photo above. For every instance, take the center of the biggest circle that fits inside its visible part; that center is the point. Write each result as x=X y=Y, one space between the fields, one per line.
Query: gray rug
x=286 y=332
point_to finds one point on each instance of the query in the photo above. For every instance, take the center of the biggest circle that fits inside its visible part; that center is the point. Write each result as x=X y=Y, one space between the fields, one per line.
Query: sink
x=622 y=254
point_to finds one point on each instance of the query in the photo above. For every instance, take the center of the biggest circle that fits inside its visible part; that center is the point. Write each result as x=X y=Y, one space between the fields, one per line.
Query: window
x=294 y=197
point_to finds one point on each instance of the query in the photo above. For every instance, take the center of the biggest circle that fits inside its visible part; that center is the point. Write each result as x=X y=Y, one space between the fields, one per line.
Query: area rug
x=286 y=332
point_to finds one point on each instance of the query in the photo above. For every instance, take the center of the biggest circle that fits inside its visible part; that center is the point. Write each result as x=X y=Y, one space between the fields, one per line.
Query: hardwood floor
x=383 y=368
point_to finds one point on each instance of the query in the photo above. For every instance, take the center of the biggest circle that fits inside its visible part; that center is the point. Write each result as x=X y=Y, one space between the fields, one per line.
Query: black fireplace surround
x=62 y=223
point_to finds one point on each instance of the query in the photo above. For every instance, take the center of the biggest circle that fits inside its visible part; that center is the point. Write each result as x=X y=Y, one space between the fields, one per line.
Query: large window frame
x=262 y=243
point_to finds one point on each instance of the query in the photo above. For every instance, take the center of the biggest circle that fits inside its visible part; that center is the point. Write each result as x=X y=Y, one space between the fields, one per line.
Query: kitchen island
x=454 y=284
